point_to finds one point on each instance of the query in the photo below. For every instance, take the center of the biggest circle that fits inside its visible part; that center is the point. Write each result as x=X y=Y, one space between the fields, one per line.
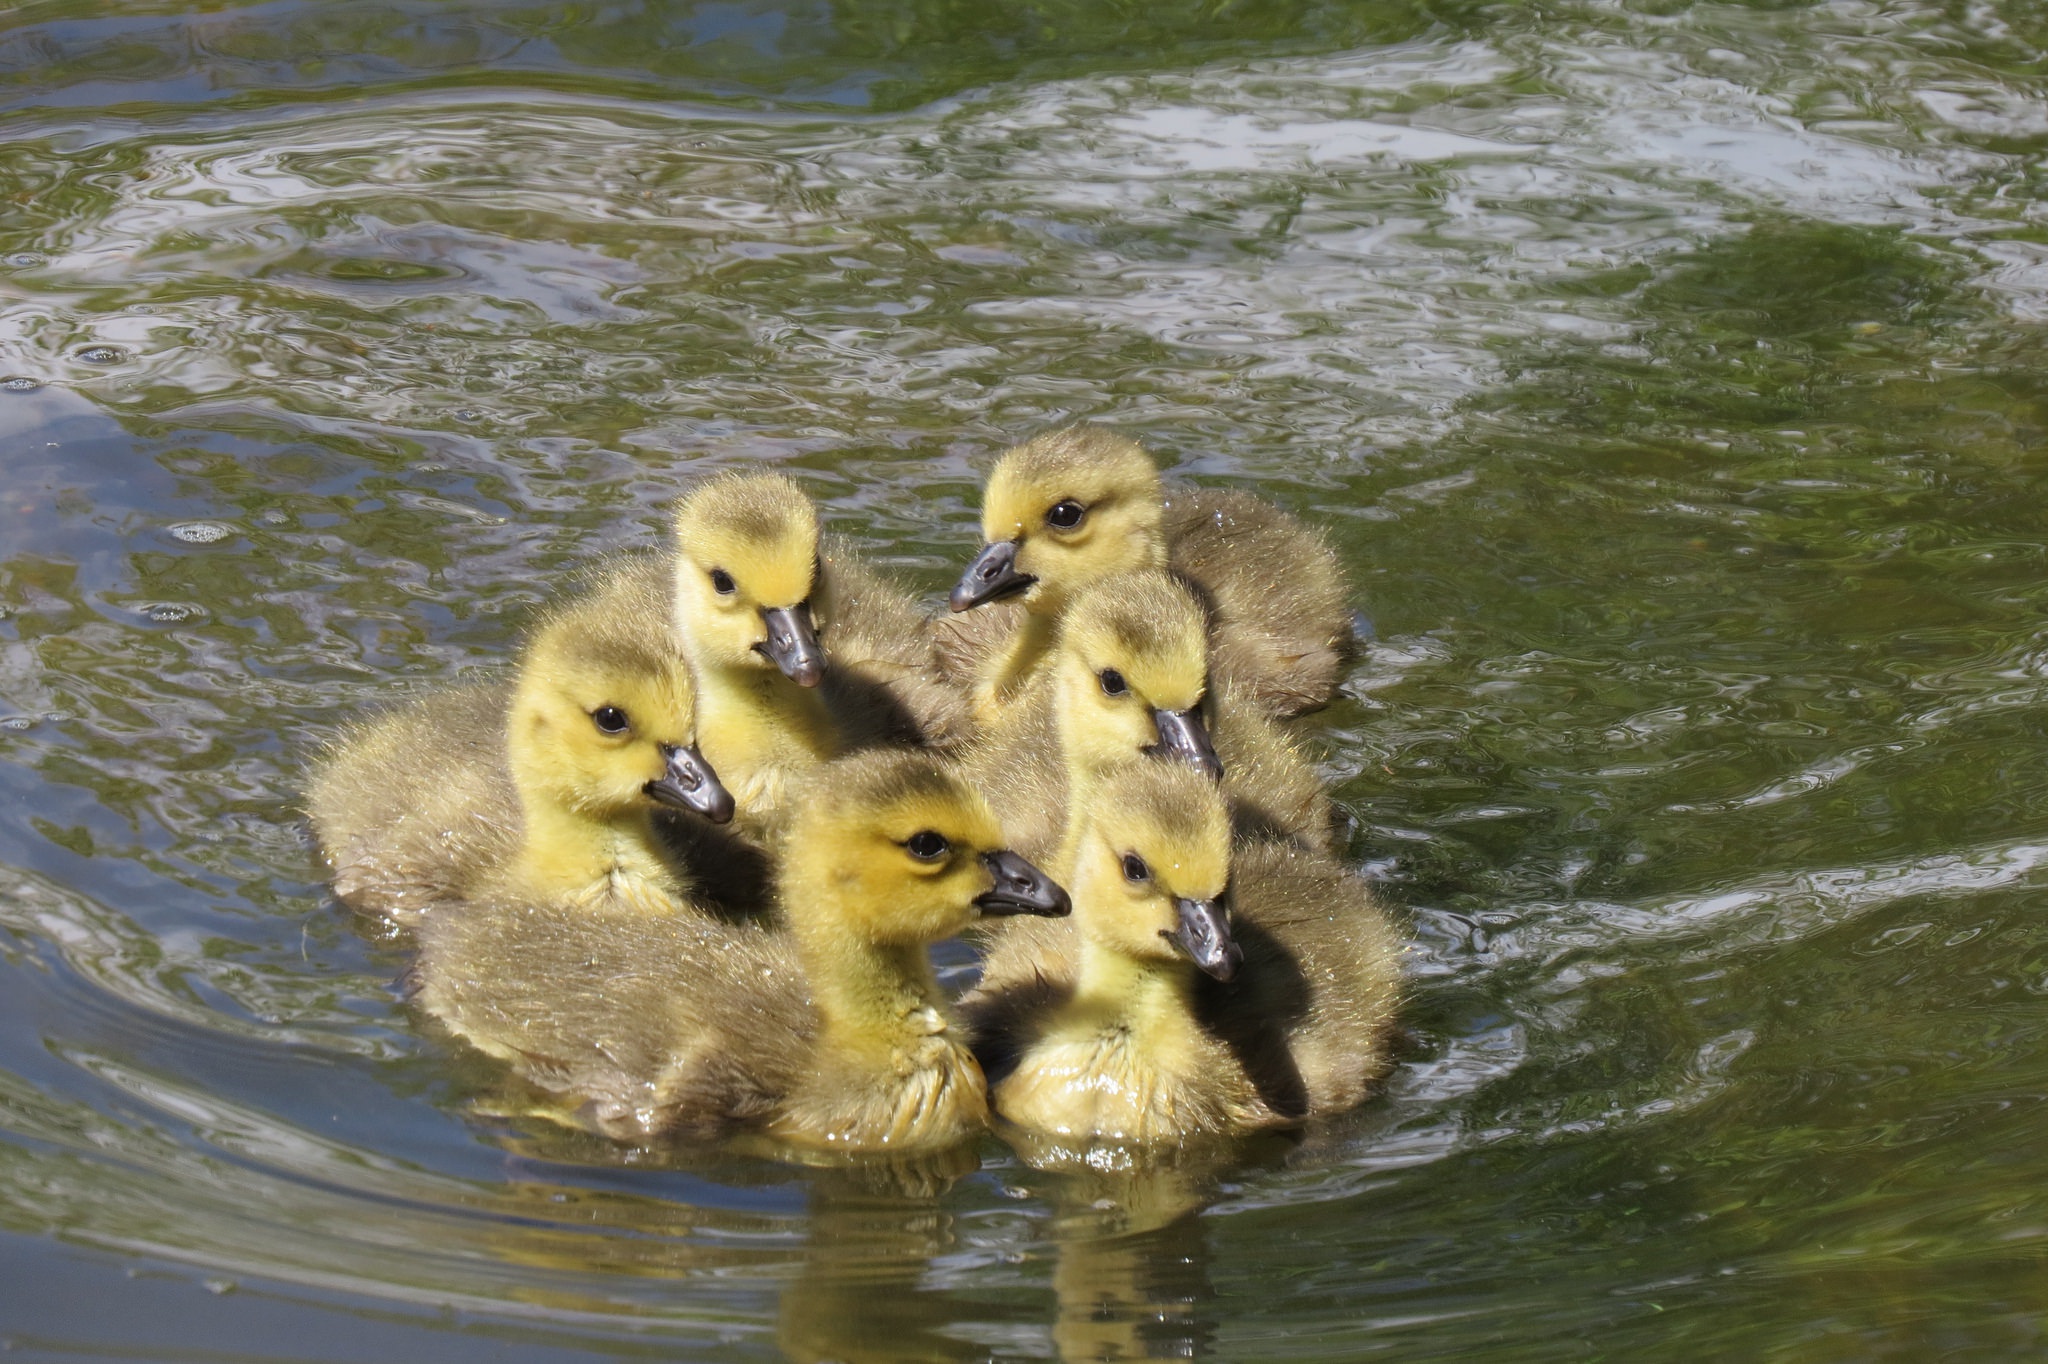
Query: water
x=1671 y=375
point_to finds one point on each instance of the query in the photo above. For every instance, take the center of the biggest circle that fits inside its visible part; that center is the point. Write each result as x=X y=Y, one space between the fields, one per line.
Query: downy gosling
x=1070 y=507
x=1128 y=677
x=548 y=783
x=1212 y=990
x=829 y=1033
x=753 y=590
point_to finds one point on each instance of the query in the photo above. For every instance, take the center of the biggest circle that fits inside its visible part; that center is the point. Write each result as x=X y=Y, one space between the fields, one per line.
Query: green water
x=1673 y=376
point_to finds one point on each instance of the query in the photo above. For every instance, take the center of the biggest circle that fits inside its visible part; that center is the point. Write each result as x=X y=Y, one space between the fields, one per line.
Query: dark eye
x=927 y=846
x=1113 y=683
x=722 y=580
x=1135 y=868
x=610 y=719
x=1065 y=515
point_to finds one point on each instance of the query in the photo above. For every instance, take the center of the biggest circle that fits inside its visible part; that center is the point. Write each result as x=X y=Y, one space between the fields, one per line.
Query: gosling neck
x=756 y=728
x=1149 y=1000
x=891 y=1071
x=569 y=852
x=1083 y=777
x=1029 y=646
x=878 y=1002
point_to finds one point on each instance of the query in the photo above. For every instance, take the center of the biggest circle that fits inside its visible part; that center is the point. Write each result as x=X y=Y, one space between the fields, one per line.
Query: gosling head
x=1063 y=510
x=746 y=565
x=1152 y=870
x=893 y=849
x=604 y=716
x=1133 y=674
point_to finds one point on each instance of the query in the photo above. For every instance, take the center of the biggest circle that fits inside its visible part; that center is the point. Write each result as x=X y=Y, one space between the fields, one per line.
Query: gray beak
x=690 y=784
x=1020 y=888
x=1204 y=934
x=992 y=574
x=793 y=643
x=1183 y=735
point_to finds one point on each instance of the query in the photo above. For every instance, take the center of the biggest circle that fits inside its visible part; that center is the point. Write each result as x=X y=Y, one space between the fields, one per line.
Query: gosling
x=1209 y=992
x=753 y=591
x=828 y=1034
x=1129 y=678
x=548 y=783
x=1071 y=507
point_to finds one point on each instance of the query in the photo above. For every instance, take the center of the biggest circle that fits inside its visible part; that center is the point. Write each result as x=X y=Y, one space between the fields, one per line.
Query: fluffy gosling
x=1070 y=507
x=1208 y=991
x=1129 y=677
x=829 y=1033
x=549 y=782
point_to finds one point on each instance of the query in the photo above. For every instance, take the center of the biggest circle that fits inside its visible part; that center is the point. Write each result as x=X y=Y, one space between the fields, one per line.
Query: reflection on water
x=1669 y=374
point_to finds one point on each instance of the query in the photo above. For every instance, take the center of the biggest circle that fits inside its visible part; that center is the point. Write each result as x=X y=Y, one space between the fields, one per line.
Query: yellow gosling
x=829 y=1033
x=745 y=569
x=1072 y=507
x=1060 y=512
x=755 y=591
x=550 y=783
x=1129 y=677
x=1206 y=993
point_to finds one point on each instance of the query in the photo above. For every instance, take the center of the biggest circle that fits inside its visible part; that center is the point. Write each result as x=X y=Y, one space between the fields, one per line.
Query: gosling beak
x=1183 y=735
x=1020 y=888
x=690 y=784
x=793 y=643
x=1204 y=934
x=991 y=575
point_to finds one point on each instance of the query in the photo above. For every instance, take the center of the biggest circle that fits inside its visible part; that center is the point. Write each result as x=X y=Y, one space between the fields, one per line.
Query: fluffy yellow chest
x=596 y=863
x=923 y=1093
x=1106 y=1085
x=759 y=733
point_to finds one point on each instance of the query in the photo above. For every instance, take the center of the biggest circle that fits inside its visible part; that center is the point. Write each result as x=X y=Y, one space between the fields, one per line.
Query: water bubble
x=24 y=260
x=170 y=613
x=20 y=383
x=468 y=414
x=17 y=723
x=102 y=355
x=217 y=1287
x=271 y=516
x=201 y=532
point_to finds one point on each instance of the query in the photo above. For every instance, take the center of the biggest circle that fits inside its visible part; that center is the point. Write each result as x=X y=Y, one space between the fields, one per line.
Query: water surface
x=1670 y=375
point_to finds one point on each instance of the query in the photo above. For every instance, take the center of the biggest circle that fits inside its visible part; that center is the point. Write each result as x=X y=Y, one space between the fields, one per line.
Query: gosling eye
x=1065 y=514
x=1113 y=683
x=610 y=719
x=927 y=845
x=722 y=581
x=1135 y=868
